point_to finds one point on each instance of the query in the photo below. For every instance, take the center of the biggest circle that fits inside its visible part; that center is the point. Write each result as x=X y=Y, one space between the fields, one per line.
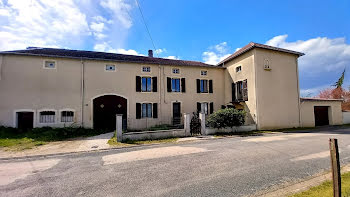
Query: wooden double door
x=105 y=109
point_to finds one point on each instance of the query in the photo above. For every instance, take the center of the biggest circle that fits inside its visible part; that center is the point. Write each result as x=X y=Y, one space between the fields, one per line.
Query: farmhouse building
x=60 y=87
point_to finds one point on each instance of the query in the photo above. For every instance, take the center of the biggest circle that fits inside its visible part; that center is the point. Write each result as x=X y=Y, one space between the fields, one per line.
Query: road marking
x=152 y=153
x=10 y=172
x=284 y=137
x=323 y=154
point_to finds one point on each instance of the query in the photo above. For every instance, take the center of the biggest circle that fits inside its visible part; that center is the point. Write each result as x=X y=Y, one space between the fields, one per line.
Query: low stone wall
x=244 y=128
x=346 y=117
x=152 y=135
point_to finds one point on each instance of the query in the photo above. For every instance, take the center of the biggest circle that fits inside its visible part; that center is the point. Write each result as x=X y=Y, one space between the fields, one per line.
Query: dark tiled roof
x=252 y=45
x=78 y=54
x=319 y=99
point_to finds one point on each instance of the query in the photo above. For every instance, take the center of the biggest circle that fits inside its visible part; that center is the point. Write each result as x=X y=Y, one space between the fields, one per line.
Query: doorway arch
x=105 y=108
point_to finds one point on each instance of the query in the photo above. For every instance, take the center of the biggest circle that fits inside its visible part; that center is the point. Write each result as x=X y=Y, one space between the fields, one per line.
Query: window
x=175 y=85
x=238 y=69
x=47 y=117
x=204 y=108
x=204 y=86
x=67 y=116
x=146 y=110
x=146 y=69
x=146 y=84
x=176 y=71
x=110 y=67
x=204 y=73
x=240 y=91
x=50 y=64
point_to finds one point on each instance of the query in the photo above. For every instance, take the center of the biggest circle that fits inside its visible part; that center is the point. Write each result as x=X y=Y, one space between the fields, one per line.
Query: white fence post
x=119 y=127
x=187 y=122
x=202 y=118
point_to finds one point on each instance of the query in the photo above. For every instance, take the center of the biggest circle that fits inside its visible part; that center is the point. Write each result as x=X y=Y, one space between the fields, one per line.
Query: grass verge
x=326 y=188
x=17 y=140
x=113 y=141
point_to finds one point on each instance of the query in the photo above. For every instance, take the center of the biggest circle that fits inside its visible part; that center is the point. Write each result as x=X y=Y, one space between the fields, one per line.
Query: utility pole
x=333 y=147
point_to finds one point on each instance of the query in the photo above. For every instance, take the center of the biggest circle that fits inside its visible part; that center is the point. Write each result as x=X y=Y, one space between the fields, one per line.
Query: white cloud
x=120 y=10
x=64 y=23
x=172 y=57
x=216 y=53
x=322 y=54
x=159 y=51
x=105 y=47
x=97 y=27
x=41 y=23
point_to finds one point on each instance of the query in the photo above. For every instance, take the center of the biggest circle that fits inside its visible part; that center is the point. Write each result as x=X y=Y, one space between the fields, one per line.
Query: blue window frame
x=204 y=86
x=146 y=84
x=146 y=110
x=175 y=83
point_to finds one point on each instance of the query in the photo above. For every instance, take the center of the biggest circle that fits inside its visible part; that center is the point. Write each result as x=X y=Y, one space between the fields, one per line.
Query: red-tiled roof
x=80 y=54
x=252 y=45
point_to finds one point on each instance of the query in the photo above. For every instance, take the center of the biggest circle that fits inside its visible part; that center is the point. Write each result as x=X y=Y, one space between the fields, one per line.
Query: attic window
x=204 y=73
x=50 y=64
x=110 y=67
x=238 y=69
x=146 y=69
x=176 y=71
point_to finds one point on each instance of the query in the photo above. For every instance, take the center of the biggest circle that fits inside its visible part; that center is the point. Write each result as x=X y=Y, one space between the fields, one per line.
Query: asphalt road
x=221 y=167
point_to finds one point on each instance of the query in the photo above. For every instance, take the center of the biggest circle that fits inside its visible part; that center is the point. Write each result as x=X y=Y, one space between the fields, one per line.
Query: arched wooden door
x=105 y=109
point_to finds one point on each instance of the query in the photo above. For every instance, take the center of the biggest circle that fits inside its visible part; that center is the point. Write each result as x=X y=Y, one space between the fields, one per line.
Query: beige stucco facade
x=272 y=101
x=27 y=86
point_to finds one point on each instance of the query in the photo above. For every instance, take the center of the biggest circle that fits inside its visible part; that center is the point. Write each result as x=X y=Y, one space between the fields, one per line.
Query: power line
x=144 y=22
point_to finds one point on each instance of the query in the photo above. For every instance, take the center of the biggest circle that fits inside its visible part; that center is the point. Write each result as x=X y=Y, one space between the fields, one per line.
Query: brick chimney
x=150 y=53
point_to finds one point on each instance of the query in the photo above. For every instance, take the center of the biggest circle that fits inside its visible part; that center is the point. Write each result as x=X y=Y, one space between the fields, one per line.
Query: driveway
x=222 y=167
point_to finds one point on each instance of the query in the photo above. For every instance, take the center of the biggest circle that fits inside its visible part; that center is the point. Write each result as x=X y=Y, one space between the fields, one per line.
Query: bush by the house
x=228 y=117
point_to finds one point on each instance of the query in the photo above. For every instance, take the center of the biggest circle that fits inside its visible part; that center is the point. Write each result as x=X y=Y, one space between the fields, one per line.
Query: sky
x=200 y=30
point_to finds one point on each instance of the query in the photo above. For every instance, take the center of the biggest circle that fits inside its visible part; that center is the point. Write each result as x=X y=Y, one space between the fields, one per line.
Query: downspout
x=298 y=91
x=160 y=91
x=82 y=91
x=256 y=90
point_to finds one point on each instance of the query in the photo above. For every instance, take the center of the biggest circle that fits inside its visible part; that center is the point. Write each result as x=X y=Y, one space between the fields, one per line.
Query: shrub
x=228 y=117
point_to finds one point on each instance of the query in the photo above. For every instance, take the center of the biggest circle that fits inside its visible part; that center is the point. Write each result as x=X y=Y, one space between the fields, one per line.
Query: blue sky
x=199 y=30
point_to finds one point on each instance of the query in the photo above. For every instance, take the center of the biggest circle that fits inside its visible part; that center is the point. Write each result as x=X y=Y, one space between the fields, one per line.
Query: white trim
x=46 y=123
x=66 y=109
x=105 y=94
x=15 y=117
x=115 y=68
x=51 y=60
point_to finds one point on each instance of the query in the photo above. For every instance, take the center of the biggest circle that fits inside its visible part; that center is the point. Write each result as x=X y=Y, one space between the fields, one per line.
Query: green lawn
x=326 y=188
x=14 y=139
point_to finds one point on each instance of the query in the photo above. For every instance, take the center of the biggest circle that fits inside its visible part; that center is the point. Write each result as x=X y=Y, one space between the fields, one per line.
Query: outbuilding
x=320 y=112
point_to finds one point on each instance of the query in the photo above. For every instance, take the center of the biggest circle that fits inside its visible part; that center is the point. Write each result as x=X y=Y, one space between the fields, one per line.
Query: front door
x=176 y=113
x=105 y=110
x=321 y=115
x=25 y=120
